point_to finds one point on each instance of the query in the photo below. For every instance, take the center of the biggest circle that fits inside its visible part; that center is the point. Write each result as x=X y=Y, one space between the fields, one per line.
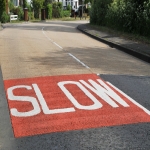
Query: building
x=73 y=3
x=16 y=2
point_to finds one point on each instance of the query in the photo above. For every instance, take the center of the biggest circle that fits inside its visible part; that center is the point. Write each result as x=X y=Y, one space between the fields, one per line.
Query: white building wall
x=73 y=3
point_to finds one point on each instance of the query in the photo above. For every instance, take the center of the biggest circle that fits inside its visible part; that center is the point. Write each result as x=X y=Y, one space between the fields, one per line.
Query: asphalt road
x=33 y=52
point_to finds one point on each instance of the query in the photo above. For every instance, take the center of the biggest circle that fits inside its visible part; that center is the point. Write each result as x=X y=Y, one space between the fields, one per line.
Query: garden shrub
x=98 y=11
x=49 y=11
x=57 y=10
x=66 y=13
x=68 y=7
x=18 y=11
x=5 y=17
x=31 y=15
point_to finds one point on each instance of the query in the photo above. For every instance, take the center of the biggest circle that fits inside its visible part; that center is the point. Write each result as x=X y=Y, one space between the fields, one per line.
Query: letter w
x=105 y=92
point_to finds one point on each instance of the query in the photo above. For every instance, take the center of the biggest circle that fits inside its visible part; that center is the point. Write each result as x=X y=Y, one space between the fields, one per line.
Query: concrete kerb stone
x=115 y=45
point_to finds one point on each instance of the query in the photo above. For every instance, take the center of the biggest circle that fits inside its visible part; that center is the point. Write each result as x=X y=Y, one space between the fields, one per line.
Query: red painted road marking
x=61 y=103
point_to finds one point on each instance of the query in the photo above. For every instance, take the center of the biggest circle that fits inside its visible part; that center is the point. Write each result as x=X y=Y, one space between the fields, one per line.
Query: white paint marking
x=62 y=49
x=94 y=106
x=36 y=108
x=78 y=60
x=105 y=92
x=44 y=106
x=132 y=100
x=51 y=39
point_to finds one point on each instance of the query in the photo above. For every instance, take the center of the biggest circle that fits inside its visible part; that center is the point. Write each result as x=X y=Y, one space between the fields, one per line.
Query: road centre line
x=78 y=61
x=62 y=49
x=50 y=39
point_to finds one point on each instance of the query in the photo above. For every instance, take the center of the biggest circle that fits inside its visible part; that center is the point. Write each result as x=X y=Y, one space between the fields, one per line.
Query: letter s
x=36 y=108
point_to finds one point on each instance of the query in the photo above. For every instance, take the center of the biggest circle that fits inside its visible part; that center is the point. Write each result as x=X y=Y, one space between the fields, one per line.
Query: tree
x=46 y=2
x=11 y=5
x=2 y=7
x=24 y=3
x=49 y=11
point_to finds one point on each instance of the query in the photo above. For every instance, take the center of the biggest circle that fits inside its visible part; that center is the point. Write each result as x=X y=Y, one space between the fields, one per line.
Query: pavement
x=139 y=50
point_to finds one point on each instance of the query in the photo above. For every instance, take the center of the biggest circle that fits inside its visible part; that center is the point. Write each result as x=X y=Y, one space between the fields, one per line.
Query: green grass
x=56 y=19
x=53 y=19
x=130 y=36
x=68 y=19
x=35 y=20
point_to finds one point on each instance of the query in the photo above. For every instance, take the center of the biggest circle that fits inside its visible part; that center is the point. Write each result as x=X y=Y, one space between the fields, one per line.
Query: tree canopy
x=24 y=3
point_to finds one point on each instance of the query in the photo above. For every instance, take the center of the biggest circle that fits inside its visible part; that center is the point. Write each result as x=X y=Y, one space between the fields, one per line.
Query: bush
x=126 y=15
x=93 y=17
x=57 y=10
x=146 y=18
x=36 y=13
x=68 y=7
x=88 y=11
x=129 y=16
x=98 y=11
x=31 y=15
x=18 y=11
x=5 y=17
x=49 y=11
x=66 y=13
x=59 y=4
x=37 y=5
x=55 y=13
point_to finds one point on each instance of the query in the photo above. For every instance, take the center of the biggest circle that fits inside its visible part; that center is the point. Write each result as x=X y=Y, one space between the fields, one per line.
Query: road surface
x=61 y=89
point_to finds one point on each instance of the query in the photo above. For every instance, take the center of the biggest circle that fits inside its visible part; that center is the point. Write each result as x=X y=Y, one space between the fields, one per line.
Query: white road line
x=50 y=39
x=132 y=100
x=62 y=49
x=79 y=61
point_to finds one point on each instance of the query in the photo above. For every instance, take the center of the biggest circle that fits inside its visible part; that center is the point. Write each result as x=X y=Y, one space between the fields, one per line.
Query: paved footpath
x=137 y=49
x=61 y=89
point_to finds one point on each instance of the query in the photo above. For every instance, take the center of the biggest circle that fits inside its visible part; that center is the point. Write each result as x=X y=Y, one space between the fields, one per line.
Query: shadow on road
x=100 y=60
